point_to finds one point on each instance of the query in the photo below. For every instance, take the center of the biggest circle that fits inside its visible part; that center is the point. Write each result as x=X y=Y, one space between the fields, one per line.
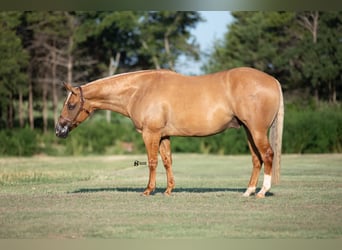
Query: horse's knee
x=152 y=164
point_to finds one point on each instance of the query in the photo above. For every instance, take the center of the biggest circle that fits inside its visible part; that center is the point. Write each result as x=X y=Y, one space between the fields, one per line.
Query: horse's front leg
x=165 y=153
x=152 y=141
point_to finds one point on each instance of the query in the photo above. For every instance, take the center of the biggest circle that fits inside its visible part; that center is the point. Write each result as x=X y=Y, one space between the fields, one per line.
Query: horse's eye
x=71 y=106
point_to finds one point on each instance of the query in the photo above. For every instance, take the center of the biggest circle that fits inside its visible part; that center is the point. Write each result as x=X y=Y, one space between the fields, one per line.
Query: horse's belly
x=199 y=125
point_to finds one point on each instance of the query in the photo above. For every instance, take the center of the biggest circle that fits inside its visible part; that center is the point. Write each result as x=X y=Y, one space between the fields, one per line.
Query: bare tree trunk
x=10 y=112
x=112 y=68
x=154 y=58
x=30 y=102
x=167 y=34
x=310 y=22
x=334 y=100
x=332 y=92
x=316 y=95
x=70 y=59
x=72 y=27
x=168 y=52
x=54 y=86
x=45 y=106
x=156 y=62
x=20 y=109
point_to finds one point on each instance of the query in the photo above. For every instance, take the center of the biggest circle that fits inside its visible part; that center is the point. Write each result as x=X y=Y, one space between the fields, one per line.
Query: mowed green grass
x=100 y=197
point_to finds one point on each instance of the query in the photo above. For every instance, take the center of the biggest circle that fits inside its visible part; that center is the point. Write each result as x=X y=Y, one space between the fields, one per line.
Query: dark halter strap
x=82 y=102
x=81 y=108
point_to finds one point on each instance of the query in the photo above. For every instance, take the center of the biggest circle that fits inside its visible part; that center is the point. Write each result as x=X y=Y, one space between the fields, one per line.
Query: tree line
x=41 y=49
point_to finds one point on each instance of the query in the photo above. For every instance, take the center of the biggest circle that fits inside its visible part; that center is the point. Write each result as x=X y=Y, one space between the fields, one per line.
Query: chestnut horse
x=162 y=103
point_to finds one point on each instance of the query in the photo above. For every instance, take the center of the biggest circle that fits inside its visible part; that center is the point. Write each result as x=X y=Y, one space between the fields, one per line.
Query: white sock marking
x=267 y=182
x=249 y=191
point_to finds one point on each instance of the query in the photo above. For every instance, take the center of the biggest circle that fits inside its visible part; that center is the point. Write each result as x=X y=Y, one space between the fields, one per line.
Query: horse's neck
x=112 y=93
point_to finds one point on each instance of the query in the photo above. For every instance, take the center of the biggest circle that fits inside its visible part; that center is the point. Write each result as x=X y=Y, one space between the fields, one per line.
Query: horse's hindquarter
x=254 y=95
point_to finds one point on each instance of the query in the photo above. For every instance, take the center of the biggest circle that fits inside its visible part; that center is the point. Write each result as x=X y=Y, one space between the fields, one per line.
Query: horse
x=163 y=103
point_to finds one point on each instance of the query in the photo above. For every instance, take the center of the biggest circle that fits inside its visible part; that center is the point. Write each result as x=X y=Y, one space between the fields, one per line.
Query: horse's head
x=74 y=111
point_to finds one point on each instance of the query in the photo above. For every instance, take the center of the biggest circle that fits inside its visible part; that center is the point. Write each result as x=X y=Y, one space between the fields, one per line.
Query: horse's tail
x=276 y=134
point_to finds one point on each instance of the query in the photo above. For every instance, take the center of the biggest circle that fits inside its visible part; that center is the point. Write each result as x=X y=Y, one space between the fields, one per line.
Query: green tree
x=13 y=60
x=321 y=52
x=109 y=39
x=129 y=40
x=166 y=35
x=48 y=36
x=254 y=39
x=301 y=49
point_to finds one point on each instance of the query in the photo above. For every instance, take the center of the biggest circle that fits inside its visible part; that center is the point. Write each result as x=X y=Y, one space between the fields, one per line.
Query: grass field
x=99 y=197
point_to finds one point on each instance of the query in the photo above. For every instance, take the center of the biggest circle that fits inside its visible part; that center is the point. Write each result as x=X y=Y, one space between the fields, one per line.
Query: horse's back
x=242 y=76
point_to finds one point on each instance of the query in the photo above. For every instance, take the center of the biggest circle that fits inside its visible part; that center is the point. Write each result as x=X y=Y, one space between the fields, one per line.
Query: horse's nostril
x=61 y=131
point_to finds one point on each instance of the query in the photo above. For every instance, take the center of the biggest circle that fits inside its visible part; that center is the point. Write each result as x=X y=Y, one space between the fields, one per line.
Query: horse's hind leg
x=165 y=153
x=257 y=162
x=267 y=157
x=261 y=153
x=255 y=173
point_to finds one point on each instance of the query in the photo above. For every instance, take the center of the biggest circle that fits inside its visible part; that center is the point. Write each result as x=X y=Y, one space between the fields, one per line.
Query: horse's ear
x=69 y=87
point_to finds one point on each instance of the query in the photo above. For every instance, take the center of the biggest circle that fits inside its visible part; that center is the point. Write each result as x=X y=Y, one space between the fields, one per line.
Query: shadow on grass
x=161 y=190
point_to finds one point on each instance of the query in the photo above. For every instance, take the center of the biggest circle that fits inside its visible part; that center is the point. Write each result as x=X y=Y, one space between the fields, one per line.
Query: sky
x=205 y=33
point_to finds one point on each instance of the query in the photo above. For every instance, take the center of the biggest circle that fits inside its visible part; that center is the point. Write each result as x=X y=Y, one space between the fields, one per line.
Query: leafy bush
x=94 y=137
x=18 y=142
x=311 y=131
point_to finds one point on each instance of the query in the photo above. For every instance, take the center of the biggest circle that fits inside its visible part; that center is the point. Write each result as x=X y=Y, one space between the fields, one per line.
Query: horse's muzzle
x=62 y=131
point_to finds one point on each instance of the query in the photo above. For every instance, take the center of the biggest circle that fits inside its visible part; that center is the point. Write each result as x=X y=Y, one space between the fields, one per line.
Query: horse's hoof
x=249 y=192
x=146 y=193
x=246 y=194
x=260 y=195
x=168 y=192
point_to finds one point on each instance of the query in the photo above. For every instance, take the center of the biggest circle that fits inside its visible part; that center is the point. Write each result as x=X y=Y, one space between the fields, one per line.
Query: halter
x=79 y=110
